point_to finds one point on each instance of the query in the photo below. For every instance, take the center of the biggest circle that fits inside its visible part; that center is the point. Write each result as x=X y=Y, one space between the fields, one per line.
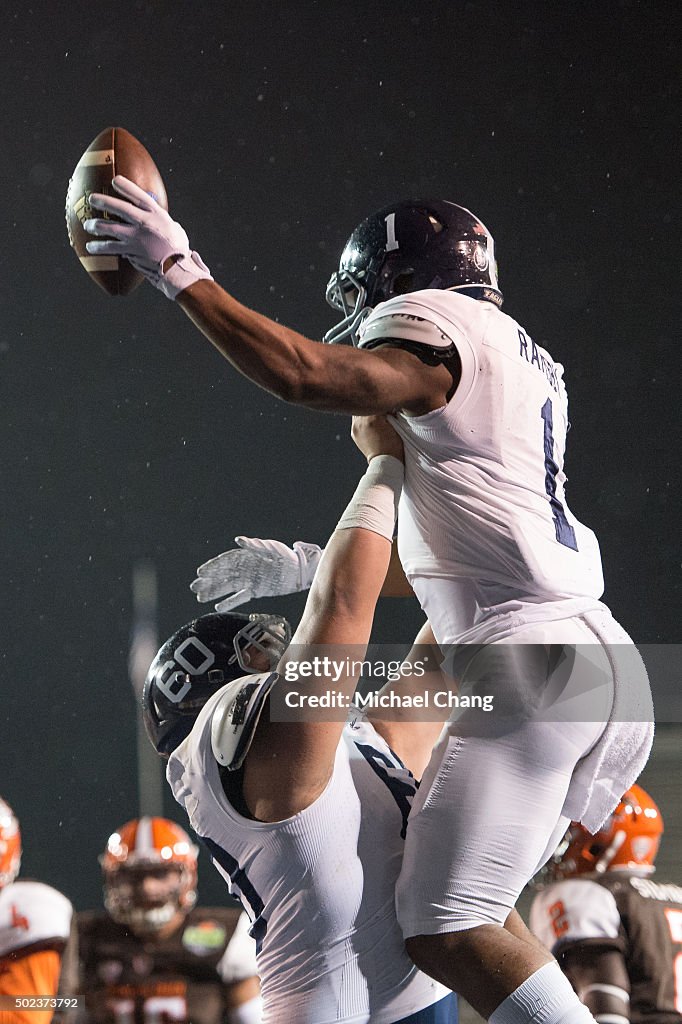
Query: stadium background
x=277 y=128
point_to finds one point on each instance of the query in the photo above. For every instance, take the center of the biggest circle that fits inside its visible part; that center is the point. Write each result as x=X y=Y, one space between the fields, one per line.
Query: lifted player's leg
x=488 y=814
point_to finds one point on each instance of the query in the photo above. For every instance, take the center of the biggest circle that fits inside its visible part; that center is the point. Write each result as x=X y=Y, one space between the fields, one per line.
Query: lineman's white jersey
x=483 y=501
x=320 y=886
x=31 y=913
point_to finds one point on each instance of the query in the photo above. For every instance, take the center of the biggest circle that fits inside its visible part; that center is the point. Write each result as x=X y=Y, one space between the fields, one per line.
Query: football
x=113 y=151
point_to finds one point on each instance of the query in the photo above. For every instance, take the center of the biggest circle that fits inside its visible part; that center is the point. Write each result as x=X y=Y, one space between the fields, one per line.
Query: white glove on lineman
x=256 y=568
x=147 y=237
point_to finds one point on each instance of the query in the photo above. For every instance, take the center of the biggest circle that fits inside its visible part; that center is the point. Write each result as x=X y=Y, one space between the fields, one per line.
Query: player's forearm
x=396 y=583
x=272 y=356
x=279 y=359
x=342 y=599
x=412 y=728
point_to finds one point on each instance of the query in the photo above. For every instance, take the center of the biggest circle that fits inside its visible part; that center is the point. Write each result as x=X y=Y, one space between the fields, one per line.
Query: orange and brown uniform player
x=34 y=929
x=616 y=932
x=35 y=922
x=199 y=973
x=153 y=957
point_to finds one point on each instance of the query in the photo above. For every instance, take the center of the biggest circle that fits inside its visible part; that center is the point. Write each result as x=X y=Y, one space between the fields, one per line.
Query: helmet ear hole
x=403 y=283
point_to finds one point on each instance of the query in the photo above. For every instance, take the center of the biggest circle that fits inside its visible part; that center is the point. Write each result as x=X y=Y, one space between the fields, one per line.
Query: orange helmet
x=628 y=840
x=10 y=845
x=150 y=874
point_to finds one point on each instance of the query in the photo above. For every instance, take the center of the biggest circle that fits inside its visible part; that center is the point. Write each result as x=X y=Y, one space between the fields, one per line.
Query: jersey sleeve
x=238 y=962
x=426 y=318
x=576 y=910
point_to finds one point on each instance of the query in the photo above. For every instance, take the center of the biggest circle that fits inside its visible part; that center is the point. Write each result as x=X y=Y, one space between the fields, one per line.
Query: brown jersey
x=640 y=917
x=176 y=980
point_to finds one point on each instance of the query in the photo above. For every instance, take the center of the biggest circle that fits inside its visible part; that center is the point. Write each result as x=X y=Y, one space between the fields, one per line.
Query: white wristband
x=374 y=506
x=182 y=274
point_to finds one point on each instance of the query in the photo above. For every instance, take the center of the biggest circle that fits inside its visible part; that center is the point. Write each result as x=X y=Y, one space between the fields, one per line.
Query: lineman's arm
x=599 y=976
x=290 y=763
x=409 y=731
x=396 y=583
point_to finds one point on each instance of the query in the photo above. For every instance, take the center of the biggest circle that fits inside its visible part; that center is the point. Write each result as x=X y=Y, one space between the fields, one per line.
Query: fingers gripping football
x=256 y=568
x=146 y=235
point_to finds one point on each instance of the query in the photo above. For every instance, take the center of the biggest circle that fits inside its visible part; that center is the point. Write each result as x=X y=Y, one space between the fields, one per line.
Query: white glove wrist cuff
x=182 y=274
x=374 y=506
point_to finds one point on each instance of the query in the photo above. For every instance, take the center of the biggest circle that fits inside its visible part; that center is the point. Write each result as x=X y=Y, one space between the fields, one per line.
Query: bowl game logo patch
x=204 y=938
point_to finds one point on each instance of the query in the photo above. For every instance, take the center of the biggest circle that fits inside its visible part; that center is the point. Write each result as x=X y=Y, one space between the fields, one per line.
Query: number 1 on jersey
x=565 y=533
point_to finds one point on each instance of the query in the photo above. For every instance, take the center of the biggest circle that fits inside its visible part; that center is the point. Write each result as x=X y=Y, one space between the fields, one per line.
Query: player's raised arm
x=328 y=377
x=289 y=763
x=284 y=362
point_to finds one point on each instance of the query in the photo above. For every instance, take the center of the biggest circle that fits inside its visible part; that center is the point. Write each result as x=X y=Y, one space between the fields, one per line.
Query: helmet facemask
x=346 y=293
x=149 y=868
x=264 y=635
x=148 y=898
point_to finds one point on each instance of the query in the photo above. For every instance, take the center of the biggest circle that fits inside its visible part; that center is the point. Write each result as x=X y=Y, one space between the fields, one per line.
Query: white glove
x=147 y=238
x=256 y=568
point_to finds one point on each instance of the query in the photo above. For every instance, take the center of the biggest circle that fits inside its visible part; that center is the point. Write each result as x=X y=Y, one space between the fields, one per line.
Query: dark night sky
x=277 y=128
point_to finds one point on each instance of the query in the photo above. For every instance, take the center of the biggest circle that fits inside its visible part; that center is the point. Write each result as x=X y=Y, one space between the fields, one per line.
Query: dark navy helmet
x=197 y=661
x=408 y=246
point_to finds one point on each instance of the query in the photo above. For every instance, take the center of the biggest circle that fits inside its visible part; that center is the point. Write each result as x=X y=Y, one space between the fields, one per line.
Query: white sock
x=545 y=998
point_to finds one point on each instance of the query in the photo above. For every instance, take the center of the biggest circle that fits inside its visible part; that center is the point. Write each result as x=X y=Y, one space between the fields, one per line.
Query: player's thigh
x=484 y=820
x=489 y=812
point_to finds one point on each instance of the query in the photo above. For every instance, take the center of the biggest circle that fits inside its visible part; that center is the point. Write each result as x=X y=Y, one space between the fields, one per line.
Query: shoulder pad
x=435 y=319
x=236 y=715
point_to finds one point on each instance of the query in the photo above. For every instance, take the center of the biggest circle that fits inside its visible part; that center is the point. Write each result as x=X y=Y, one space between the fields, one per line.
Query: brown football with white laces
x=113 y=151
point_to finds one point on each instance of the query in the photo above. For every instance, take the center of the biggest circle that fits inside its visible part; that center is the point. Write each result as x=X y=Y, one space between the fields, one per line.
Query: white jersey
x=31 y=913
x=483 y=501
x=574 y=910
x=319 y=887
